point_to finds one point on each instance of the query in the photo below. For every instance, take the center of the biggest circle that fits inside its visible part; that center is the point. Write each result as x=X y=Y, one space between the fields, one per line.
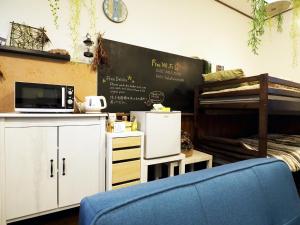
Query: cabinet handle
x=64 y=167
x=51 y=168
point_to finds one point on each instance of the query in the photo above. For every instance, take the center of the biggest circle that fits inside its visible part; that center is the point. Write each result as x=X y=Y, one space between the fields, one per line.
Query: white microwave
x=47 y=98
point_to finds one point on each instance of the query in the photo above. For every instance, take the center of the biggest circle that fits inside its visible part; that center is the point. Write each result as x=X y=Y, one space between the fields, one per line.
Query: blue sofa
x=252 y=192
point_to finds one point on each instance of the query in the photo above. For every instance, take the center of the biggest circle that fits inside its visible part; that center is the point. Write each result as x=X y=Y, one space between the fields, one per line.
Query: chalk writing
x=155 y=97
x=123 y=89
x=168 y=71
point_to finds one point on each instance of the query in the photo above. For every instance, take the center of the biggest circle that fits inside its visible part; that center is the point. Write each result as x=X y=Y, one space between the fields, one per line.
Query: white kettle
x=94 y=104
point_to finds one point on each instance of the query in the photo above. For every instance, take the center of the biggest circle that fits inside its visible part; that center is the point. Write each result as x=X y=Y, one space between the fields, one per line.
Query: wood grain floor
x=67 y=217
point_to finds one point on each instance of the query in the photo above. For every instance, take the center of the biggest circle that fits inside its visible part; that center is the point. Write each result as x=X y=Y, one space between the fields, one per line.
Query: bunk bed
x=238 y=119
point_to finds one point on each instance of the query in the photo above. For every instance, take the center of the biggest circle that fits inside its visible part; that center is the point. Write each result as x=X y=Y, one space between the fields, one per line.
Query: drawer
x=126 y=142
x=126 y=171
x=125 y=154
x=126 y=185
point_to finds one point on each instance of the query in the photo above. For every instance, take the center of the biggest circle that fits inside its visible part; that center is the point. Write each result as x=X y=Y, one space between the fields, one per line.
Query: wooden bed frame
x=219 y=125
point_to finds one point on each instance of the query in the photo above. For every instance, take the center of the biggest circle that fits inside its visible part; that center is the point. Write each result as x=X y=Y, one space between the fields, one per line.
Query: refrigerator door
x=163 y=134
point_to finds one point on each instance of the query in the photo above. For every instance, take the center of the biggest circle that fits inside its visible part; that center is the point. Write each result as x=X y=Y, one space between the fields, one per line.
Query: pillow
x=223 y=75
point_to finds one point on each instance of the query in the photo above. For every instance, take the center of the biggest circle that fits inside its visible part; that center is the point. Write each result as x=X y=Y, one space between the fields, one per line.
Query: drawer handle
x=51 y=168
x=64 y=167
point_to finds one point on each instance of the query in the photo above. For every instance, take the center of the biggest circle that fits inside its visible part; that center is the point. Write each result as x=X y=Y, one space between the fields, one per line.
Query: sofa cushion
x=252 y=192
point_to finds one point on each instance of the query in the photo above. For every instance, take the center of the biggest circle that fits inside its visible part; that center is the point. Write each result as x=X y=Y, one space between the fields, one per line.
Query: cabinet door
x=79 y=148
x=30 y=167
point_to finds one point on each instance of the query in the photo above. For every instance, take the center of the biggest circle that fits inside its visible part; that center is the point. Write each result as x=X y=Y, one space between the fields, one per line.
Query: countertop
x=51 y=115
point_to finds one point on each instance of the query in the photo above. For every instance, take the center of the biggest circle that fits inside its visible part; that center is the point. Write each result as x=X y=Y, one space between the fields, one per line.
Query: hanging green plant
x=75 y=10
x=279 y=19
x=257 y=24
x=54 y=7
x=92 y=11
x=295 y=30
x=270 y=24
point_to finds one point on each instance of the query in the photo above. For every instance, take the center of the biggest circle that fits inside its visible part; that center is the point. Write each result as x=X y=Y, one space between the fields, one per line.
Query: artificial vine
x=54 y=7
x=279 y=19
x=260 y=19
x=75 y=10
x=257 y=24
x=92 y=10
x=295 y=30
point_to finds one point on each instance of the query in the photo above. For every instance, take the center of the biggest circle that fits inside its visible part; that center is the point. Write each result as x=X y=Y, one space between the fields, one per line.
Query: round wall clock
x=115 y=10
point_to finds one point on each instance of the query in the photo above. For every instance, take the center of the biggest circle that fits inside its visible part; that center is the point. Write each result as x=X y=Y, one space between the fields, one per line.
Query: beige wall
x=202 y=28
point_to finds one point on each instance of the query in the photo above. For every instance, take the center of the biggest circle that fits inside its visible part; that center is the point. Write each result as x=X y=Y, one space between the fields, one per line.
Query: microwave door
x=39 y=96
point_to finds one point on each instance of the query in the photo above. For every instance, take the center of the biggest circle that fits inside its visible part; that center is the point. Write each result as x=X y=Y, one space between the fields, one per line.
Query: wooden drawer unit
x=115 y=187
x=125 y=142
x=126 y=171
x=124 y=152
x=131 y=153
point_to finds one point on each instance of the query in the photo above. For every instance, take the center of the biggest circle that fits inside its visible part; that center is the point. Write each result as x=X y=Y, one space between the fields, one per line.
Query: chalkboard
x=136 y=78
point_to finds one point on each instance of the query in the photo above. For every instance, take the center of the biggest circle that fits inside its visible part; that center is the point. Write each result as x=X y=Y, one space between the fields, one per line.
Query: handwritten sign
x=136 y=78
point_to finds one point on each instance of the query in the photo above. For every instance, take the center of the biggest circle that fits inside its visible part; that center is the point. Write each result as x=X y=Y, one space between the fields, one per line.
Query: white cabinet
x=30 y=154
x=124 y=153
x=78 y=163
x=50 y=164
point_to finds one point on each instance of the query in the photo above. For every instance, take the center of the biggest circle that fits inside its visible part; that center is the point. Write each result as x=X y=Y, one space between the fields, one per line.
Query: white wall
x=276 y=52
x=202 y=28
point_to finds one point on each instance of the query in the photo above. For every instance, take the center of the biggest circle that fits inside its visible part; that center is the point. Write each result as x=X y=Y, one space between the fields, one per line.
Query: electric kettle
x=94 y=104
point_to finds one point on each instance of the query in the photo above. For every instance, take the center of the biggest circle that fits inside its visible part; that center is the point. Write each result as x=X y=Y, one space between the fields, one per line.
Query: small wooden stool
x=178 y=159
x=195 y=158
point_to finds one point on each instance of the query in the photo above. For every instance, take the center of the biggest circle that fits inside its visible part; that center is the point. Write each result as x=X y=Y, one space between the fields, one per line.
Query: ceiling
x=240 y=6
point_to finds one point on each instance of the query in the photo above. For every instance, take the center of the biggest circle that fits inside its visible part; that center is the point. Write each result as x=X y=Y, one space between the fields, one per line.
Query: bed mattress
x=252 y=87
x=280 y=146
x=246 y=99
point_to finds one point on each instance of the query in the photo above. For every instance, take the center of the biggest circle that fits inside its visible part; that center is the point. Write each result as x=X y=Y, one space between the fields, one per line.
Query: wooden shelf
x=128 y=114
x=35 y=53
x=187 y=114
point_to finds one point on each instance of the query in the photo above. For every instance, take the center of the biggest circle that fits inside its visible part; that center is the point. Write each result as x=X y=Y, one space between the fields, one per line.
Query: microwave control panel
x=70 y=97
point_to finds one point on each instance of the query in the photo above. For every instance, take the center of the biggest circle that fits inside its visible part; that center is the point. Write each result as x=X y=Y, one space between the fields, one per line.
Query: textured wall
x=15 y=68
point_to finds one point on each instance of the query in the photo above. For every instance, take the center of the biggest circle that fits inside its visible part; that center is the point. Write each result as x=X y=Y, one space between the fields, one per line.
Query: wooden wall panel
x=229 y=126
x=31 y=69
x=187 y=124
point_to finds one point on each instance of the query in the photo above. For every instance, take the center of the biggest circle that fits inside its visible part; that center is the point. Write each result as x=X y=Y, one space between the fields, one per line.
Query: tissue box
x=119 y=126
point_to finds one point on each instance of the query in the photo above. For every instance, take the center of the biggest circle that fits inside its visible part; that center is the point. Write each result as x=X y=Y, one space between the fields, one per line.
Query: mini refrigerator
x=162 y=132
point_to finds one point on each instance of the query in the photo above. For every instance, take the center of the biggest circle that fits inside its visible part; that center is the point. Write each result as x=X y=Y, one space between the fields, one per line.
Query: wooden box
x=124 y=152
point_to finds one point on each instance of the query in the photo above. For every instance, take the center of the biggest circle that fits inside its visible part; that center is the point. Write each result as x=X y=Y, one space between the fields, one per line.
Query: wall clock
x=115 y=10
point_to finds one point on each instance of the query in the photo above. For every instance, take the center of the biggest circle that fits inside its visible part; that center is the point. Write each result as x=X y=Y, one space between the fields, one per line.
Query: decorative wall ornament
x=88 y=43
x=115 y=10
x=100 y=55
x=27 y=37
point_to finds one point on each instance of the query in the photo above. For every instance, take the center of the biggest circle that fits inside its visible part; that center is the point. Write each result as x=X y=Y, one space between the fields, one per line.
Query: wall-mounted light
x=88 y=42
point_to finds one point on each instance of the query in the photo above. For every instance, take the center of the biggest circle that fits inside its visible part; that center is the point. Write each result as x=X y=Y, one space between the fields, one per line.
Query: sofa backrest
x=252 y=192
